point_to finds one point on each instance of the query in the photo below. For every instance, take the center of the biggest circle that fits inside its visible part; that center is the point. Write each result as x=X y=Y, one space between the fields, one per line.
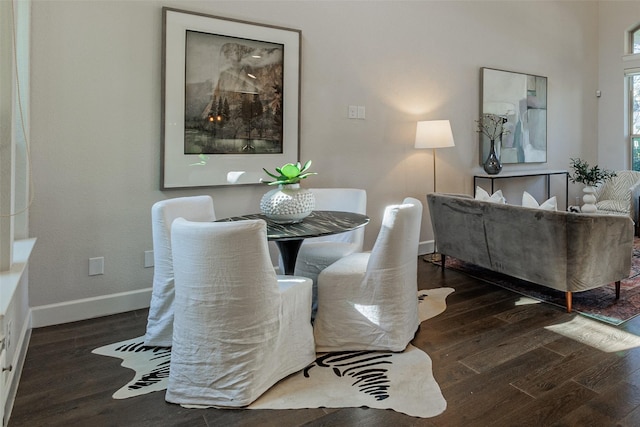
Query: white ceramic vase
x=589 y=199
x=287 y=204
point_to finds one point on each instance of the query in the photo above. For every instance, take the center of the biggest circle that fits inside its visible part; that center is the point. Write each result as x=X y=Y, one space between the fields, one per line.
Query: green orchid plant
x=589 y=176
x=289 y=174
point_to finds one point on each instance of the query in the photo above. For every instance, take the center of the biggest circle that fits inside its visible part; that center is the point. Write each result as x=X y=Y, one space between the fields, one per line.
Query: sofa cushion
x=496 y=197
x=528 y=201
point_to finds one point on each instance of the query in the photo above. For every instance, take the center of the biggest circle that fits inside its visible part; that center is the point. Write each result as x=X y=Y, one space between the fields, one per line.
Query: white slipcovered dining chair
x=368 y=301
x=160 y=318
x=318 y=253
x=238 y=328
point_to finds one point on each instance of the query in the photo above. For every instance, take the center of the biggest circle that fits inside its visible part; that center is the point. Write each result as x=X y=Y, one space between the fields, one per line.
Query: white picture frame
x=225 y=46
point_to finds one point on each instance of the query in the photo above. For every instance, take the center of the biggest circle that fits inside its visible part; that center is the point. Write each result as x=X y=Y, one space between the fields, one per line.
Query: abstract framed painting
x=230 y=99
x=521 y=101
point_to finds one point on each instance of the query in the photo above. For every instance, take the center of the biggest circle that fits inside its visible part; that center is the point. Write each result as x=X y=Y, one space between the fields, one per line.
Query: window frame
x=15 y=179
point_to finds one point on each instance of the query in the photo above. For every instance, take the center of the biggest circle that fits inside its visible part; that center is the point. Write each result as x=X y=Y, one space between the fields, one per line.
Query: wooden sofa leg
x=618 y=289
x=442 y=259
x=569 y=299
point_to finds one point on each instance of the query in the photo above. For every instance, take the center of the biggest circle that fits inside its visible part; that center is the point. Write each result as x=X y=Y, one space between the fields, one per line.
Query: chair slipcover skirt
x=318 y=253
x=368 y=301
x=160 y=318
x=238 y=327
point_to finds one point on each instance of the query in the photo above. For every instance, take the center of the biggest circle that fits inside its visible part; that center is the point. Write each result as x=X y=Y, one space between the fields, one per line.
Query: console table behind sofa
x=570 y=252
x=527 y=174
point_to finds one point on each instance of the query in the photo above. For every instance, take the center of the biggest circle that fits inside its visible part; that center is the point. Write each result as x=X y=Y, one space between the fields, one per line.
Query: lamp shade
x=434 y=134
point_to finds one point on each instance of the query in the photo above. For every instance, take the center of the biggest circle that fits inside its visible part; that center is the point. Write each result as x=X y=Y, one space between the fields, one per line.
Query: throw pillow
x=496 y=197
x=528 y=201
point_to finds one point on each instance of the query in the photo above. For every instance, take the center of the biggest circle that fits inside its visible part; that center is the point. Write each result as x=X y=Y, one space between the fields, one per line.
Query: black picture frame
x=521 y=100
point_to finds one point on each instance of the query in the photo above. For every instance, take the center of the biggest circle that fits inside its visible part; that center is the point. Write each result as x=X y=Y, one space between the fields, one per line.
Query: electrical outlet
x=353 y=112
x=148 y=259
x=96 y=266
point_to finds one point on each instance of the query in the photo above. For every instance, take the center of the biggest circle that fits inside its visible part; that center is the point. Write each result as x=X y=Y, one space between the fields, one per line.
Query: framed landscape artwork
x=230 y=104
x=521 y=101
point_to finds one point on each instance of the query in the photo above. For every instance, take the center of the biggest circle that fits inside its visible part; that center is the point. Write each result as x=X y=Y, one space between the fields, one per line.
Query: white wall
x=96 y=112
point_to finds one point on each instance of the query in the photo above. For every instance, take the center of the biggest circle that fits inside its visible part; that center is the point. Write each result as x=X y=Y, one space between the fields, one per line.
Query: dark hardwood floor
x=497 y=361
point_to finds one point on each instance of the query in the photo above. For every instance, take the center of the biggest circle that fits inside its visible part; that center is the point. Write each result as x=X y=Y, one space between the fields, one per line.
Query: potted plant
x=289 y=174
x=288 y=203
x=590 y=177
x=492 y=126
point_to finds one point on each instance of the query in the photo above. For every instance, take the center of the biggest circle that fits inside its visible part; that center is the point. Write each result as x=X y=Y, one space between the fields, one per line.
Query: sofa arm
x=599 y=250
x=458 y=227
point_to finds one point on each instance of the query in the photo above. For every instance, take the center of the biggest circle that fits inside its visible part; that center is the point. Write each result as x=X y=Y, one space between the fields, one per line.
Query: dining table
x=289 y=237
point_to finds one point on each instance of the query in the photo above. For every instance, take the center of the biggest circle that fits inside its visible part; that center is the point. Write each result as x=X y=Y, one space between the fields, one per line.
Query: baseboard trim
x=88 y=308
x=425 y=247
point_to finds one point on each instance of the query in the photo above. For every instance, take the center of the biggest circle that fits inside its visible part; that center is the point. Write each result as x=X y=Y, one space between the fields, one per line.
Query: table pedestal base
x=289 y=253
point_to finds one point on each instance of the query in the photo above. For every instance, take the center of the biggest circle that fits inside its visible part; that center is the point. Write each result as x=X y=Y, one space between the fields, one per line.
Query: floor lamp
x=434 y=134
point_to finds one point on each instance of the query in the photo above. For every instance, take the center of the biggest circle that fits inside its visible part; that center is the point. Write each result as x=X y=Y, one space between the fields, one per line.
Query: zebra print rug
x=402 y=382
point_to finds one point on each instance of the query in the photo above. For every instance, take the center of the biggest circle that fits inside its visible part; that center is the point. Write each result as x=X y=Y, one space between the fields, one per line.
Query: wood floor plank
x=460 y=303
x=631 y=420
x=494 y=337
x=452 y=372
x=610 y=370
x=553 y=407
x=476 y=406
x=508 y=350
x=475 y=315
x=524 y=310
x=584 y=416
x=565 y=346
x=267 y=417
x=542 y=380
x=440 y=336
x=616 y=402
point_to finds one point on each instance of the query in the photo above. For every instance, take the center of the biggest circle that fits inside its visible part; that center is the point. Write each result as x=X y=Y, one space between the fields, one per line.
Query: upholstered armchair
x=368 y=301
x=238 y=328
x=160 y=318
x=619 y=195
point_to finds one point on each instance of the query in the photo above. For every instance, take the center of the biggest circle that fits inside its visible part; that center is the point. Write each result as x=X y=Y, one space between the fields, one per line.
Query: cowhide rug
x=406 y=383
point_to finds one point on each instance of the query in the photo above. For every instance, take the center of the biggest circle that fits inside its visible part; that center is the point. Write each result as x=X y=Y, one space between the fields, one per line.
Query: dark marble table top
x=318 y=223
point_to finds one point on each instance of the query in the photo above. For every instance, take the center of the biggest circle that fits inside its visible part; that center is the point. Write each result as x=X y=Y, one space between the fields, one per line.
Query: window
x=634 y=40
x=632 y=83
x=634 y=119
x=14 y=125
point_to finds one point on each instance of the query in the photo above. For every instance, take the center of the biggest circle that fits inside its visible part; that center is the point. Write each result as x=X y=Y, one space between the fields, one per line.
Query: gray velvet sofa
x=570 y=252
